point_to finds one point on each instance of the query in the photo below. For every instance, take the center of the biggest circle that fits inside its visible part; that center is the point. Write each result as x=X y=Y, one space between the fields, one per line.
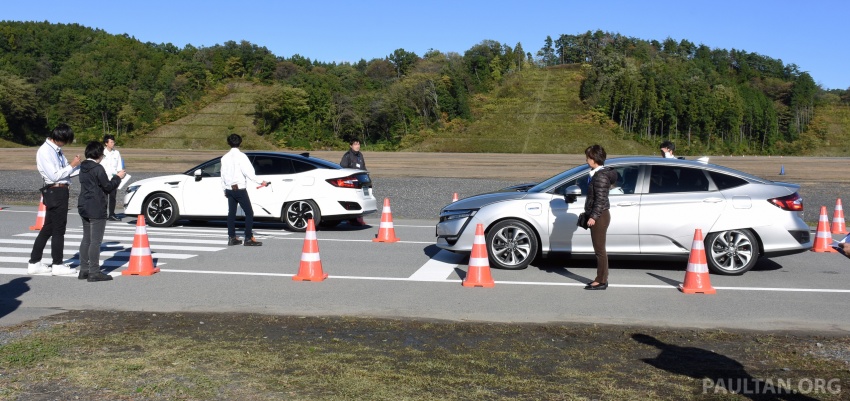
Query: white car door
x=677 y=202
x=279 y=172
x=622 y=236
x=204 y=197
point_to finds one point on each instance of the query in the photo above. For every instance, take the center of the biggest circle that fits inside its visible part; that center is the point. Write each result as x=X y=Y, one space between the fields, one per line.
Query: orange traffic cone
x=696 y=275
x=823 y=240
x=386 y=233
x=42 y=212
x=454 y=197
x=311 y=265
x=479 y=264
x=141 y=261
x=838 y=226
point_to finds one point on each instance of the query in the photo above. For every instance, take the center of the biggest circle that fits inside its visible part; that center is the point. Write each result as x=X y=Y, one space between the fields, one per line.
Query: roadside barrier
x=39 y=220
x=386 y=233
x=479 y=263
x=311 y=264
x=141 y=261
x=696 y=275
x=823 y=239
x=838 y=226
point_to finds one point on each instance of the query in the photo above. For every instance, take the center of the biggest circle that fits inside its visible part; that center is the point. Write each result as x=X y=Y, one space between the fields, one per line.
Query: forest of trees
x=99 y=82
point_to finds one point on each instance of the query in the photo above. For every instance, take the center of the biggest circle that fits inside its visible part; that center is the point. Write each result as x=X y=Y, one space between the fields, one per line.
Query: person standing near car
x=353 y=158
x=112 y=163
x=596 y=207
x=236 y=169
x=56 y=172
x=667 y=149
x=95 y=184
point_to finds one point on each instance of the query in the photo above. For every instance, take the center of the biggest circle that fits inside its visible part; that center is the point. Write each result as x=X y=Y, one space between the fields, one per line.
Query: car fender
x=529 y=211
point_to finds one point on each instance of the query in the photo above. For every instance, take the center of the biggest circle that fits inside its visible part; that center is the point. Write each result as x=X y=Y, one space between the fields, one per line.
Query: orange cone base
x=310 y=272
x=479 y=277
x=393 y=239
x=828 y=249
x=140 y=272
x=694 y=284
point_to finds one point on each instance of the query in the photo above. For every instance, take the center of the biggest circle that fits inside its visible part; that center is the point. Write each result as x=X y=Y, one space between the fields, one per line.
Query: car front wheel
x=161 y=210
x=296 y=214
x=731 y=252
x=511 y=244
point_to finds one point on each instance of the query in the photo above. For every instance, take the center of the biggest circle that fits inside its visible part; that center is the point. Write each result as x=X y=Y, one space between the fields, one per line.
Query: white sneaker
x=38 y=268
x=63 y=269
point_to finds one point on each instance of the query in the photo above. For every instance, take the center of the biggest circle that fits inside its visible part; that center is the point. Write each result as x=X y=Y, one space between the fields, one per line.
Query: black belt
x=234 y=187
x=59 y=185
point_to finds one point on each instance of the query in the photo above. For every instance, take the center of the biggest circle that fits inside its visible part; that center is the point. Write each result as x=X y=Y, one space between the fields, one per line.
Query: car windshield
x=541 y=187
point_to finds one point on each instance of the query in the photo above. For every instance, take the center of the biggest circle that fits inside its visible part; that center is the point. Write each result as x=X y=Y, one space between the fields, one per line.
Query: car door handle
x=627 y=203
x=287 y=180
x=712 y=200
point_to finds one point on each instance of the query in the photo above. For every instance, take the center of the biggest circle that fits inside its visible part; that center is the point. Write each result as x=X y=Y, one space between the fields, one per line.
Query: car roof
x=681 y=162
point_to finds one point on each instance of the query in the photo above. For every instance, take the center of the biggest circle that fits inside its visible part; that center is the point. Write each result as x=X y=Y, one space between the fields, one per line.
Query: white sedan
x=302 y=188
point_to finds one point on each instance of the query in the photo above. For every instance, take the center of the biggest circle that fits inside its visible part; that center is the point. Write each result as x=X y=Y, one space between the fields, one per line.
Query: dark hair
x=234 y=140
x=352 y=140
x=94 y=150
x=668 y=145
x=107 y=137
x=597 y=153
x=62 y=133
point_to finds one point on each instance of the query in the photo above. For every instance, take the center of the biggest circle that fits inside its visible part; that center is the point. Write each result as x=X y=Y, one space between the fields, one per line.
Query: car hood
x=161 y=179
x=478 y=201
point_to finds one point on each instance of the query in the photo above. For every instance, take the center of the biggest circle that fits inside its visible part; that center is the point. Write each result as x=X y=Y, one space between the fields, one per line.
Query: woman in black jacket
x=94 y=186
x=596 y=208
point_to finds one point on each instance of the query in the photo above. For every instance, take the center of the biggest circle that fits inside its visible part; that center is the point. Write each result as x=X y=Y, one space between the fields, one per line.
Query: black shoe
x=99 y=276
x=234 y=241
x=113 y=218
x=84 y=275
x=253 y=242
x=598 y=286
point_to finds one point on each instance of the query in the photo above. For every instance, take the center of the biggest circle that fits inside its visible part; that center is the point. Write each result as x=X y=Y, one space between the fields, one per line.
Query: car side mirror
x=571 y=193
x=197 y=175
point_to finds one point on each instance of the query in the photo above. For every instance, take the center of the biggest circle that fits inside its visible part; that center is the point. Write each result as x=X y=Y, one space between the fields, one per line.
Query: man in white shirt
x=112 y=163
x=56 y=172
x=235 y=169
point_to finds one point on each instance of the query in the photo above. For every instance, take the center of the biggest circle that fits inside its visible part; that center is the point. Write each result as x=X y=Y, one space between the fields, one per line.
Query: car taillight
x=345 y=182
x=793 y=202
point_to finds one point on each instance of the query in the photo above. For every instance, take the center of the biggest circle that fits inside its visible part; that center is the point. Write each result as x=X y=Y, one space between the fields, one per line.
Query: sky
x=812 y=34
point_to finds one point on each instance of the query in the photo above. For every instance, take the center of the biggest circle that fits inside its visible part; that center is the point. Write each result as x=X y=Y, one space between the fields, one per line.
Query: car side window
x=301 y=167
x=626 y=180
x=269 y=165
x=725 y=181
x=211 y=169
x=667 y=179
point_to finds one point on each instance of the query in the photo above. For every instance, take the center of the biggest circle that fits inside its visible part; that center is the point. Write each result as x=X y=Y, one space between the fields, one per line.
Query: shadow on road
x=10 y=293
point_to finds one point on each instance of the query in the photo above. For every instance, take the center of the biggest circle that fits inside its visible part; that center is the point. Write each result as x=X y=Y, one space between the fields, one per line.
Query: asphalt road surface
x=410 y=278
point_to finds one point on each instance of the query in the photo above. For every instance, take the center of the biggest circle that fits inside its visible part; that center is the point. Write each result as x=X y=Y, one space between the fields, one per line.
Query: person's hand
x=591 y=221
x=121 y=174
x=266 y=183
x=76 y=161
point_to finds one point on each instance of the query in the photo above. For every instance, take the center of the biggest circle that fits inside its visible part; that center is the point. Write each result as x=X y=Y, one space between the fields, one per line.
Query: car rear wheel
x=161 y=210
x=296 y=214
x=511 y=244
x=731 y=252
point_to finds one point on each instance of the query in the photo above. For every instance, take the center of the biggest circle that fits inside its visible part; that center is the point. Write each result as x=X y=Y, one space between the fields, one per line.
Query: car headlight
x=457 y=214
x=133 y=188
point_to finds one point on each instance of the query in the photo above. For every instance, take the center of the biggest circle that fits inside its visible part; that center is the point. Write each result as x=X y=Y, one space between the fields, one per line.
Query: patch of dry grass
x=134 y=355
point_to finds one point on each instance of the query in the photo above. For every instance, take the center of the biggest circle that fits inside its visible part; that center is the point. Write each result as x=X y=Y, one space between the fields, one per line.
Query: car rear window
x=725 y=181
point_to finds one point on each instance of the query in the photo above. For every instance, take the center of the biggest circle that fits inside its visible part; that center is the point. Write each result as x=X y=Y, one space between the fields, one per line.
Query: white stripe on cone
x=386 y=224
x=478 y=262
x=140 y=251
x=310 y=257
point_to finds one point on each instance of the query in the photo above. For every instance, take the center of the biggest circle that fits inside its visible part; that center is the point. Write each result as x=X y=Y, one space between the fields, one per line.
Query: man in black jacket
x=353 y=158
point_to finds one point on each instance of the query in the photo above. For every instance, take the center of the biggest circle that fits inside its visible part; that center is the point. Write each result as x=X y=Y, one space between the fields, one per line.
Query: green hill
x=535 y=111
x=832 y=125
x=208 y=128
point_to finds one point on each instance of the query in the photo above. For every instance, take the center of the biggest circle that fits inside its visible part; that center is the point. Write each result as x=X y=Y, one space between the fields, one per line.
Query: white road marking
x=16 y=271
x=110 y=244
x=130 y=239
x=439 y=267
x=110 y=263
x=104 y=253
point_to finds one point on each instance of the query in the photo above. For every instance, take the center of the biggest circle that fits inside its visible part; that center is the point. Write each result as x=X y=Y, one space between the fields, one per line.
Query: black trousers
x=239 y=196
x=112 y=198
x=598 y=234
x=93 y=230
x=55 y=221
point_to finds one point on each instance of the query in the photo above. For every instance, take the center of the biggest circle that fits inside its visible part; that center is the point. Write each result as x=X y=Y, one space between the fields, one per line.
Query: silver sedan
x=656 y=206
